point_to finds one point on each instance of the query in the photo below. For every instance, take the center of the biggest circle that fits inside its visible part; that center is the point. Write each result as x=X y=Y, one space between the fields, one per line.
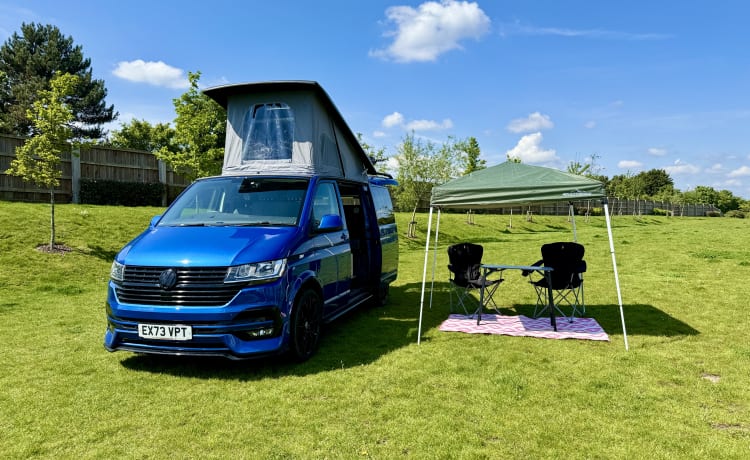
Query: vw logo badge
x=168 y=279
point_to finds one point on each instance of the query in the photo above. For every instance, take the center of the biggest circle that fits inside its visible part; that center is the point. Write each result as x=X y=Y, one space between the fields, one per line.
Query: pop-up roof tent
x=512 y=183
x=288 y=127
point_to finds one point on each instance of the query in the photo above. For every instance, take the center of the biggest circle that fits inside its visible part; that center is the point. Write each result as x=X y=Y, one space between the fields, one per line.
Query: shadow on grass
x=358 y=338
x=369 y=333
x=640 y=319
x=102 y=253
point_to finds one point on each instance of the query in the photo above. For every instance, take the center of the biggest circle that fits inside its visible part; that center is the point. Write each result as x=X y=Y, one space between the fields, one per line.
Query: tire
x=306 y=325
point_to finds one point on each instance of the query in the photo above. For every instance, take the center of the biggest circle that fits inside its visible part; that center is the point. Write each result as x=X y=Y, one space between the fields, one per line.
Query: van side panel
x=388 y=233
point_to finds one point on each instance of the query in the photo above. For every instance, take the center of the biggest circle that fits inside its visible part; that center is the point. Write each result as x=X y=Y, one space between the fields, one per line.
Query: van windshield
x=238 y=201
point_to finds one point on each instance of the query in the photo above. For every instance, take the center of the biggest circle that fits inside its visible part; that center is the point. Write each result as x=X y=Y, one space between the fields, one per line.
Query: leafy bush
x=661 y=212
x=735 y=213
x=109 y=192
x=592 y=211
x=713 y=213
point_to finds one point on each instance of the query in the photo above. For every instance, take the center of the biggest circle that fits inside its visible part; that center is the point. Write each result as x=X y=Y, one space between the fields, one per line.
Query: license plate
x=165 y=332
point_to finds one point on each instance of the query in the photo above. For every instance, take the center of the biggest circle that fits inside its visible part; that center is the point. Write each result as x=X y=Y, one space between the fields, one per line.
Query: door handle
x=344 y=236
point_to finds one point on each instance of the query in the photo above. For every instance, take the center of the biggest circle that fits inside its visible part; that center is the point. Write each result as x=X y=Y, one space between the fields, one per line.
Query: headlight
x=266 y=271
x=117 y=272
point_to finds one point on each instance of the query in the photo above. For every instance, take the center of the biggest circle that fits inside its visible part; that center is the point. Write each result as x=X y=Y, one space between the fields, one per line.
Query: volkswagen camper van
x=296 y=231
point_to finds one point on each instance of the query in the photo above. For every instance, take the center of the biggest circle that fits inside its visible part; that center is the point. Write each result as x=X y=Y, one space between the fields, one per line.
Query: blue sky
x=639 y=84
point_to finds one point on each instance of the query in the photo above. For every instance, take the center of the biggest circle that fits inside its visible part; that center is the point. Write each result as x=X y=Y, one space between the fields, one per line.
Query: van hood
x=208 y=246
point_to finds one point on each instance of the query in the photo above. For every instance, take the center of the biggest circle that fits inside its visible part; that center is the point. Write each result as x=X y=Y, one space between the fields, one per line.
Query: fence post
x=75 y=173
x=163 y=181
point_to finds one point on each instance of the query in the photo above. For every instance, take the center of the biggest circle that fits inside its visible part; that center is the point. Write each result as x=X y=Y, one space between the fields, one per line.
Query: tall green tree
x=200 y=132
x=469 y=155
x=142 y=135
x=654 y=180
x=38 y=160
x=421 y=166
x=29 y=61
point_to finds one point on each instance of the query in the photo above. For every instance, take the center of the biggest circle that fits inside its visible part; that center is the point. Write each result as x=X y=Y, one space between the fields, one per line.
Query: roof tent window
x=268 y=132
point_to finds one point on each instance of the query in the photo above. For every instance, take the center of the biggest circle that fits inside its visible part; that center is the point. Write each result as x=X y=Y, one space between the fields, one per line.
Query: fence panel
x=96 y=163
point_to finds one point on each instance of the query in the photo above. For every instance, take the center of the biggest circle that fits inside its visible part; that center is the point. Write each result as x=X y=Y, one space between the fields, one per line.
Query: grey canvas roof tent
x=508 y=184
x=288 y=127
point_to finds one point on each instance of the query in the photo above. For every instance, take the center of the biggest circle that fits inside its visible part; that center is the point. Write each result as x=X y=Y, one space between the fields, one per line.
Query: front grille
x=195 y=287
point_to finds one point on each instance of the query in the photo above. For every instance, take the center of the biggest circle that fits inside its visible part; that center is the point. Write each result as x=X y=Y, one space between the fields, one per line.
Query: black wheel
x=306 y=325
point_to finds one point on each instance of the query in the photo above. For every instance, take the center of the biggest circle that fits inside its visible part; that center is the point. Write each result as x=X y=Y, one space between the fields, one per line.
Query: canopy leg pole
x=424 y=276
x=617 y=277
x=572 y=213
x=434 y=256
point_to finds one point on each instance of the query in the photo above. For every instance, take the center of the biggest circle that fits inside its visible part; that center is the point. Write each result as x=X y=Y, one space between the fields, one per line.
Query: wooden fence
x=93 y=163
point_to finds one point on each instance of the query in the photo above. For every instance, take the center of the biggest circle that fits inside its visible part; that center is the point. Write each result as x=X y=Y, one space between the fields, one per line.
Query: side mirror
x=154 y=221
x=330 y=222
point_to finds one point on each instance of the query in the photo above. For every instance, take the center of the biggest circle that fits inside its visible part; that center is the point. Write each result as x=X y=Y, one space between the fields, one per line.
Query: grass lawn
x=682 y=391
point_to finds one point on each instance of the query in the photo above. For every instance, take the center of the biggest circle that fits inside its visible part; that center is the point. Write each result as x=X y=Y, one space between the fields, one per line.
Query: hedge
x=113 y=193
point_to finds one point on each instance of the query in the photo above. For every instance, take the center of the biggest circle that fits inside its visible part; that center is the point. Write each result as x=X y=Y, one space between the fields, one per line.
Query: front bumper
x=251 y=325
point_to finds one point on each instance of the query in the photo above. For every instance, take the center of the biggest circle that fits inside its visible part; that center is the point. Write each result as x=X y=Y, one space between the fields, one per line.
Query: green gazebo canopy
x=512 y=183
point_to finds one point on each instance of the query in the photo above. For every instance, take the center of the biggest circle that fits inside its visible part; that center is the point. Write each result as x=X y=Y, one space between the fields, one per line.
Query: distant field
x=371 y=392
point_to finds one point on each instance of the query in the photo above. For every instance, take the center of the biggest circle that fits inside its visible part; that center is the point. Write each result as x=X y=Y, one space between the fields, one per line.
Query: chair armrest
x=581 y=267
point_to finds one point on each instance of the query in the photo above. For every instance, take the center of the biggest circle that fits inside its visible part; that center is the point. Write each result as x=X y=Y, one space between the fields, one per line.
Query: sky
x=634 y=85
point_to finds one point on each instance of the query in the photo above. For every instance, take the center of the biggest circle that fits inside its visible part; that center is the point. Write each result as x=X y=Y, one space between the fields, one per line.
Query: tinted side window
x=325 y=202
x=383 y=205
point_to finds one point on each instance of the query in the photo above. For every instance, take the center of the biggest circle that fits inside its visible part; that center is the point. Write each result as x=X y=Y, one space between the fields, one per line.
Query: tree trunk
x=52 y=220
x=413 y=224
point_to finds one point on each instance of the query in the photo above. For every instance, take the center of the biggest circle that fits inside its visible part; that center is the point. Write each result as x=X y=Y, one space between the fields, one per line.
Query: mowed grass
x=371 y=392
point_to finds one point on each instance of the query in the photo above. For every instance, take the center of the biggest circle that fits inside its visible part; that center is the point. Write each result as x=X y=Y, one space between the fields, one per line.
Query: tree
x=470 y=151
x=200 y=132
x=29 y=62
x=654 y=181
x=38 y=160
x=421 y=166
x=142 y=135
x=376 y=155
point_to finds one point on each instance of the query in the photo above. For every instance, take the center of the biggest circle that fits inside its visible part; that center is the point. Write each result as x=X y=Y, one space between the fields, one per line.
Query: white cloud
x=534 y=122
x=378 y=134
x=716 y=169
x=428 y=125
x=740 y=172
x=433 y=28
x=520 y=29
x=529 y=150
x=394 y=119
x=657 y=152
x=590 y=124
x=397 y=119
x=152 y=73
x=680 y=168
x=629 y=164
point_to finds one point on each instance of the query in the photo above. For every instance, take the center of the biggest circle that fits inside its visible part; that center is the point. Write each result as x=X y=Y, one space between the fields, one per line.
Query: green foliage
x=469 y=153
x=109 y=192
x=713 y=214
x=38 y=160
x=200 y=132
x=141 y=135
x=735 y=213
x=661 y=212
x=421 y=166
x=29 y=62
x=376 y=155
x=655 y=181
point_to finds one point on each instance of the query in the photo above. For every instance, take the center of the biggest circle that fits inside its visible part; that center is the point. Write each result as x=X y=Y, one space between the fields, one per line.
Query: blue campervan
x=296 y=231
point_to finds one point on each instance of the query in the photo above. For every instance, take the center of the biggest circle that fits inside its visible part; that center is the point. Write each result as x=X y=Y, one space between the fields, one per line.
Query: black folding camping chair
x=466 y=276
